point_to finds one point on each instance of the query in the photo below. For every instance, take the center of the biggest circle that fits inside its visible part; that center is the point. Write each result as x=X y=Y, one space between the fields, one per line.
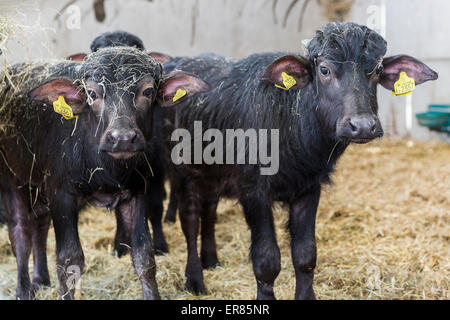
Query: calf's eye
x=379 y=70
x=147 y=92
x=324 y=71
x=91 y=94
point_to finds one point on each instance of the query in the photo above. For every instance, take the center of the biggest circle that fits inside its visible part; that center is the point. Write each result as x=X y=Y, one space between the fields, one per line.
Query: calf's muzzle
x=360 y=128
x=122 y=143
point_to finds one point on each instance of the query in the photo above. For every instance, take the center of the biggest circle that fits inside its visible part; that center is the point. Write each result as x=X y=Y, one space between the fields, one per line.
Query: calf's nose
x=122 y=139
x=361 y=128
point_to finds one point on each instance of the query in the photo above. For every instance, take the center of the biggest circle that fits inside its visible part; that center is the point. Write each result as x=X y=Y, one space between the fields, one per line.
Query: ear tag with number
x=60 y=106
x=404 y=85
x=179 y=94
x=288 y=81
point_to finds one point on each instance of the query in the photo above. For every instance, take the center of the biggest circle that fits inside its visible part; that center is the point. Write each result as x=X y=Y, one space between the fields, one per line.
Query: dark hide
x=121 y=242
x=3 y=213
x=104 y=157
x=116 y=39
x=333 y=104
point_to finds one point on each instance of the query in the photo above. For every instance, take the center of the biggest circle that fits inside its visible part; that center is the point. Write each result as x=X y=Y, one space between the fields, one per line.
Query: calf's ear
x=160 y=57
x=413 y=68
x=77 y=57
x=178 y=86
x=289 y=72
x=52 y=90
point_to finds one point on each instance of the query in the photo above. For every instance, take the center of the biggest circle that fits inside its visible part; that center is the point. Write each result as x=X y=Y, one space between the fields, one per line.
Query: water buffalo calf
x=121 y=241
x=97 y=153
x=320 y=103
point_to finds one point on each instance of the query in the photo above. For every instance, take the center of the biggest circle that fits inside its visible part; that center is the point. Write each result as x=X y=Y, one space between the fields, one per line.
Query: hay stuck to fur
x=16 y=77
x=17 y=81
x=102 y=66
x=8 y=29
x=382 y=233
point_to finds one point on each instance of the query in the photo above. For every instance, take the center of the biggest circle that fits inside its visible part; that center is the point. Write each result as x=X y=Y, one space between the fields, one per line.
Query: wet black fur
x=65 y=155
x=115 y=39
x=309 y=150
x=121 y=243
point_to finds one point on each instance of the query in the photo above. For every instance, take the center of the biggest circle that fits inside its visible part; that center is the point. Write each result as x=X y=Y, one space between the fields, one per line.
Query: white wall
x=238 y=28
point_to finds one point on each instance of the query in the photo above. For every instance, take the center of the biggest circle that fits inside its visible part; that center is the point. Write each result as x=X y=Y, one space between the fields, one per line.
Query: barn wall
x=238 y=28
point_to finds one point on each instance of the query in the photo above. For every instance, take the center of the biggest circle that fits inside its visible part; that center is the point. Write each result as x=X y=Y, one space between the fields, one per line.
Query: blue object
x=437 y=118
x=444 y=108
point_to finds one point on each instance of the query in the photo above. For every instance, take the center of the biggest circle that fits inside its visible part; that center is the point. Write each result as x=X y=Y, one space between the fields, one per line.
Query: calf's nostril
x=122 y=136
x=133 y=137
x=353 y=127
x=118 y=135
x=374 y=128
x=112 y=136
x=124 y=140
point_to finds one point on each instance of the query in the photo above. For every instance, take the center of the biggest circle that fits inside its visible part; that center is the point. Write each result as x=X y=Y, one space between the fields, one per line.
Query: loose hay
x=13 y=32
x=382 y=233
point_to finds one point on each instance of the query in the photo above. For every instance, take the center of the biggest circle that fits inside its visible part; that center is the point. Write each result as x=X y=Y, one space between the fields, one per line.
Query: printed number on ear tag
x=60 y=106
x=404 y=85
x=179 y=94
x=288 y=81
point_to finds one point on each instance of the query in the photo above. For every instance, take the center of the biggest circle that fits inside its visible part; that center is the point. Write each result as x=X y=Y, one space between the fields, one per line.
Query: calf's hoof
x=24 y=294
x=210 y=262
x=121 y=250
x=195 y=286
x=265 y=292
x=161 y=248
x=40 y=282
x=307 y=295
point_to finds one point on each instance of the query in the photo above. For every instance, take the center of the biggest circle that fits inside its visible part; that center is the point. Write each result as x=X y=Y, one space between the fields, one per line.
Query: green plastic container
x=442 y=108
x=433 y=120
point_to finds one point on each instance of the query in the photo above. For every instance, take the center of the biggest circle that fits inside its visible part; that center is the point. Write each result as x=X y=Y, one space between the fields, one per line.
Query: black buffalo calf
x=319 y=103
x=121 y=241
x=78 y=134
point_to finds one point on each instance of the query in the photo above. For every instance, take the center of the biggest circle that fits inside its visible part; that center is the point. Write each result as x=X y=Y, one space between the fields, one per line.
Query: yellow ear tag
x=288 y=81
x=404 y=85
x=60 y=106
x=179 y=94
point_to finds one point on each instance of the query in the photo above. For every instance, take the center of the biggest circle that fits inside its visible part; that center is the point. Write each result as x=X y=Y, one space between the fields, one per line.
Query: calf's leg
x=208 y=252
x=302 y=219
x=189 y=218
x=264 y=250
x=122 y=241
x=171 y=212
x=20 y=228
x=69 y=254
x=39 y=236
x=156 y=197
x=134 y=219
